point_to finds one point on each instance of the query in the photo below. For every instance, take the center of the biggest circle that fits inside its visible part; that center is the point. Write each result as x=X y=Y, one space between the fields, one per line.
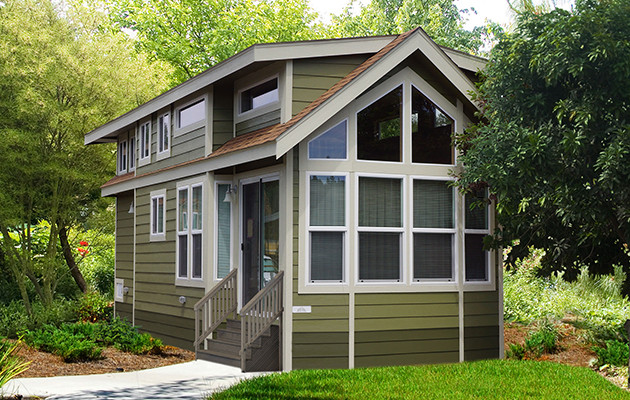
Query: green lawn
x=494 y=379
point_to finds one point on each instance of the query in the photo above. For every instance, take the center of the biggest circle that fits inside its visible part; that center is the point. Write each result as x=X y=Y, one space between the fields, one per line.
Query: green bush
x=543 y=340
x=14 y=319
x=123 y=336
x=68 y=342
x=515 y=352
x=614 y=353
x=94 y=307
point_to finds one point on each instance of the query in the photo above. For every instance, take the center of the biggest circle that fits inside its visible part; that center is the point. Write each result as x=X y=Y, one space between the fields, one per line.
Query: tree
x=440 y=19
x=61 y=75
x=193 y=35
x=554 y=142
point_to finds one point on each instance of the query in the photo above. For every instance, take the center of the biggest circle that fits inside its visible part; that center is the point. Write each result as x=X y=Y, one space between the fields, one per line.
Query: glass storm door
x=260 y=235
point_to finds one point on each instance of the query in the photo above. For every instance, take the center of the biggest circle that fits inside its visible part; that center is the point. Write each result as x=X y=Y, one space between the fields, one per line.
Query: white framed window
x=122 y=156
x=144 y=145
x=476 y=227
x=158 y=215
x=132 y=153
x=327 y=236
x=379 y=132
x=164 y=136
x=258 y=95
x=330 y=145
x=431 y=131
x=223 y=230
x=380 y=228
x=190 y=116
x=433 y=246
x=190 y=232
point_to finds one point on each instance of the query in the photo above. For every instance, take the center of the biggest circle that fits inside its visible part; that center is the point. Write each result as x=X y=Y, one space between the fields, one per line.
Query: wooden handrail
x=260 y=312
x=215 y=307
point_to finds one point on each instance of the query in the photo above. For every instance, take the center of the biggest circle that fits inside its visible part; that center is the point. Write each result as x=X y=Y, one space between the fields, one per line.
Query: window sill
x=144 y=161
x=194 y=283
x=163 y=155
x=189 y=128
x=160 y=237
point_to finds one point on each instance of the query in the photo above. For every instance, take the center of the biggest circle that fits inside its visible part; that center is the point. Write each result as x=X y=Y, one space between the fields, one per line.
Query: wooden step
x=218 y=357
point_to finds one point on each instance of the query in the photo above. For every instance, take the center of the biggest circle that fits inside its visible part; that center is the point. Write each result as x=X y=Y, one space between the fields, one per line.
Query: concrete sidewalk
x=191 y=380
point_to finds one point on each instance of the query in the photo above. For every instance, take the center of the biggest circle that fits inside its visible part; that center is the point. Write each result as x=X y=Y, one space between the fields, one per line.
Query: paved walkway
x=191 y=380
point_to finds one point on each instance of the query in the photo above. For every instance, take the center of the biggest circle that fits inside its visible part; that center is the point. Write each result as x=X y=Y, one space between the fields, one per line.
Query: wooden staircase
x=261 y=355
x=250 y=339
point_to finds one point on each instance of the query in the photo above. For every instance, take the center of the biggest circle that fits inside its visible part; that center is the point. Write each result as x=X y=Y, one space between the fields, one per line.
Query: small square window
x=191 y=114
x=259 y=95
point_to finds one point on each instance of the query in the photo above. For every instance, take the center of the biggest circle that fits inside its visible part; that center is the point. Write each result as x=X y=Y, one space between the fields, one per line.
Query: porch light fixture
x=131 y=208
x=228 y=195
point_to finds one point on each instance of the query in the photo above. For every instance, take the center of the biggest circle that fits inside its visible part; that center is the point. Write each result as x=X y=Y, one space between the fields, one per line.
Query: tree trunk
x=72 y=265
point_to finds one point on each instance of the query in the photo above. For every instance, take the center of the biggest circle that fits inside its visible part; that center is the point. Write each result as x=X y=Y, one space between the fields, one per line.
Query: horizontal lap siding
x=406 y=328
x=258 y=122
x=313 y=77
x=481 y=325
x=184 y=147
x=223 y=123
x=158 y=310
x=124 y=252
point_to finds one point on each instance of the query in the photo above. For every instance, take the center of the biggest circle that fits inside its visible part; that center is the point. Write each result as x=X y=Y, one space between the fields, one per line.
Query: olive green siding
x=223 y=112
x=158 y=309
x=184 y=147
x=406 y=328
x=258 y=122
x=313 y=77
x=481 y=325
x=124 y=252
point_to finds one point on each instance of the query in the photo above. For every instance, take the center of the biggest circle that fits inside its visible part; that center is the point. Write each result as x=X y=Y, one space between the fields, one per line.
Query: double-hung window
x=189 y=231
x=223 y=230
x=164 y=135
x=122 y=156
x=158 y=215
x=327 y=228
x=145 y=142
x=433 y=230
x=380 y=228
x=476 y=227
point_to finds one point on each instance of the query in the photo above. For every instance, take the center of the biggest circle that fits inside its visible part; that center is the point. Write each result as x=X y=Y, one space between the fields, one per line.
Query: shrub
x=614 y=353
x=10 y=364
x=543 y=340
x=123 y=336
x=94 y=307
x=14 y=319
x=515 y=352
x=68 y=342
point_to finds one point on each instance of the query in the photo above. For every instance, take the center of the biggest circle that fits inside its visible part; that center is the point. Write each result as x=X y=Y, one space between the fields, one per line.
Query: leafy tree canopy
x=554 y=144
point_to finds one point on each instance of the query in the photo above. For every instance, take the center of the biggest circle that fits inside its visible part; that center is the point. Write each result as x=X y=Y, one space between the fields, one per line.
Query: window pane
x=380 y=202
x=476 y=258
x=154 y=213
x=182 y=242
x=328 y=200
x=145 y=140
x=192 y=113
x=379 y=255
x=164 y=125
x=477 y=210
x=258 y=96
x=132 y=153
x=379 y=129
x=327 y=256
x=432 y=204
x=330 y=144
x=160 y=215
x=182 y=207
x=197 y=205
x=196 y=255
x=223 y=232
x=271 y=228
x=432 y=256
x=431 y=132
x=122 y=156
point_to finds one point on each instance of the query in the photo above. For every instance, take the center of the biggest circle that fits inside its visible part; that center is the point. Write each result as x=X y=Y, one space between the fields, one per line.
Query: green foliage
x=614 y=353
x=515 y=351
x=14 y=319
x=69 y=341
x=542 y=340
x=554 y=141
x=595 y=302
x=10 y=364
x=494 y=379
x=125 y=337
x=93 y=307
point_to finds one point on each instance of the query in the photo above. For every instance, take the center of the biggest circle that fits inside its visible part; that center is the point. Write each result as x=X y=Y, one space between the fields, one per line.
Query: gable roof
x=284 y=136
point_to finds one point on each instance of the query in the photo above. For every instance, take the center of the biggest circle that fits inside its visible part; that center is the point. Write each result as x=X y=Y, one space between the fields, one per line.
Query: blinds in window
x=327 y=200
x=432 y=256
x=380 y=202
x=379 y=255
x=432 y=204
x=477 y=210
x=327 y=256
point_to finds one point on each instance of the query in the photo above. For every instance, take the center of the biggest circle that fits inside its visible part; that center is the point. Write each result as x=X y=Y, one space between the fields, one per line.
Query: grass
x=494 y=379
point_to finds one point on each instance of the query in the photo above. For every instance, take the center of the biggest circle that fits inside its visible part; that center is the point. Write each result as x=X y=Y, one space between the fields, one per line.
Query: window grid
x=158 y=215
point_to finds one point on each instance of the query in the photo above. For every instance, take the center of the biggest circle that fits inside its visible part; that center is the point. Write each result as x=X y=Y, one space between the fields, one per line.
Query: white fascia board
x=255 y=53
x=465 y=61
x=354 y=89
x=177 y=173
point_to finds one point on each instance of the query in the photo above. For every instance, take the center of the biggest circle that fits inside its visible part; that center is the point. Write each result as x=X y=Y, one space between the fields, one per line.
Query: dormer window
x=145 y=142
x=259 y=95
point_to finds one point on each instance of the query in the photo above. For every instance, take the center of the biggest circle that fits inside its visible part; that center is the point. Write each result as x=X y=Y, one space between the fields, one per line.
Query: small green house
x=291 y=208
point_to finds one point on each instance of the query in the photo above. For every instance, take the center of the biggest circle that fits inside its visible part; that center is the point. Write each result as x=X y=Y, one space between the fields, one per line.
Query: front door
x=260 y=234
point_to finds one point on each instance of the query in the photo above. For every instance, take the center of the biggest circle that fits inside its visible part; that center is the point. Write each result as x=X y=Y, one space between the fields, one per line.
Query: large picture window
x=380 y=228
x=189 y=231
x=431 y=131
x=379 y=128
x=327 y=220
x=476 y=228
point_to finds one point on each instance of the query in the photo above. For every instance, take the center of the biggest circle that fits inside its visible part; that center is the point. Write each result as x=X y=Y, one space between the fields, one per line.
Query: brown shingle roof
x=271 y=133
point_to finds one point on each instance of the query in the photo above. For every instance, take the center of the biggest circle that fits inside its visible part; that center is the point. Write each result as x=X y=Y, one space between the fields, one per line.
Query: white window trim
x=131 y=157
x=328 y=128
x=177 y=130
x=436 y=283
x=189 y=280
x=157 y=236
x=402 y=230
x=489 y=283
x=215 y=274
x=142 y=127
x=340 y=228
x=122 y=165
x=160 y=155
x=254 y=112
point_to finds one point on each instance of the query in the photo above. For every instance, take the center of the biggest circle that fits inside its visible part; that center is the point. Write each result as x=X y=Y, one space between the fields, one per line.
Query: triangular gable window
x=431 y=131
